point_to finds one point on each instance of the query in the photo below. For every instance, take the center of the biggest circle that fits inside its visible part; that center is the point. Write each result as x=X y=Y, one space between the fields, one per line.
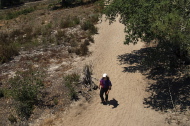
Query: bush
x=15 y=14
x=83 y=49
x=60 y=34
x=4 y=92
x=69 y=22
x=76 y=20
x=72 y=78
x=49 y=26
x=87 y=79
x=99 y=6
x=1 y=93
x=86 y=42
x=7 y=52
x=25 y=109
x=12 y=119
x=70 y=82
x=25 y=90
x=89 y=26
x=9 y=3
x=94 y=18
x=1 y=16
x=91 y=39
x=77 y=51
x=55 y=101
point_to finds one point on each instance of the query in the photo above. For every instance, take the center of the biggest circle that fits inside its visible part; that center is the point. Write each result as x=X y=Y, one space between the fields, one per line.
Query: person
x=105 y=87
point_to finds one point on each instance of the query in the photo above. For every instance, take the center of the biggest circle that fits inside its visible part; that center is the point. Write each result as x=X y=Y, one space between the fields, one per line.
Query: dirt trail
x=126 y=106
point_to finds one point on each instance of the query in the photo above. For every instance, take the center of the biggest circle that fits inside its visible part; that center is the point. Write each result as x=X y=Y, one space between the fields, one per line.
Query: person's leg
x=106 y=95
x=101 y=94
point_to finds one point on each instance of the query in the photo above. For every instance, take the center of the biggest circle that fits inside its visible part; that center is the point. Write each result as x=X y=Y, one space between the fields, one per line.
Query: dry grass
x=47 y=122
x=42 y=27
x=40 y=41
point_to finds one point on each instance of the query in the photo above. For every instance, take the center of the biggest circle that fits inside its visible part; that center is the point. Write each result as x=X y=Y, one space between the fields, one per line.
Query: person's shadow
x=113 y=102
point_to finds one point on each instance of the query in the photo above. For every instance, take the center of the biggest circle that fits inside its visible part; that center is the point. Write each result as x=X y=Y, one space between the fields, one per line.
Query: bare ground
x=125 y=106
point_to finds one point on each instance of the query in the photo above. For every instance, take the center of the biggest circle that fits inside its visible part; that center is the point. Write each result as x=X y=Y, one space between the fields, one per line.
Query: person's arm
x=99 y=86
x=109 y=88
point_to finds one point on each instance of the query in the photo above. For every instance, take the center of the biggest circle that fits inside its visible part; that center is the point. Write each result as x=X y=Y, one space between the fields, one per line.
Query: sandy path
x=128 y=88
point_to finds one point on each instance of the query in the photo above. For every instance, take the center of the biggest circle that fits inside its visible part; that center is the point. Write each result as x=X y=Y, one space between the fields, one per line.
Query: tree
x=165 y=21
x=63 y=3
x=75 y=2
x=67 y=2
x=0 y=4
x=5 y=3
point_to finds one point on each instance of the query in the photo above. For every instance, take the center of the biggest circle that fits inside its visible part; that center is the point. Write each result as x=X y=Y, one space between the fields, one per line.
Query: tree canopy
x=70 y=2
x=166 y=22
x=7 y=3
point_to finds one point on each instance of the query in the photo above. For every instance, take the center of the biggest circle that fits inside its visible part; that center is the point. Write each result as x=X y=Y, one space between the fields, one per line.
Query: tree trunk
x=1 y=4
x=63 y=3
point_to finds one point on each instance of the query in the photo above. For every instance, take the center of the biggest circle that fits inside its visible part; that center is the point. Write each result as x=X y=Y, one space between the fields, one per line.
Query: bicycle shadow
x=113 y=102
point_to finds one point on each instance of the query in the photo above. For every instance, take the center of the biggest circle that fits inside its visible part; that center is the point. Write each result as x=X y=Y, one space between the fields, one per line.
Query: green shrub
x=99 y=6
x=4 y=92
x=91 y=39
x=15 y=14
x=74 y=50
x=60 y=34
x=1 y=93
x=69 y=22
x=73 y=43
x=89 y=26
x=27 y=10
x=84 y=49
x=93 y=30
x=87 y=72
x=11 y=15
x=81 y=50
x=70 y=50
x=64 y=23
x=12 y=119
x=72 y=78
x=76 y=20
x=16 y=33
x=25 y=90
x=55 y=101
x=25 y=109
x=49 y=25
x=1 y=16
x=7 y=52
x=77 y=51
x=94 y=18
x=70 y=82
x=86 y=25
x=86 y=42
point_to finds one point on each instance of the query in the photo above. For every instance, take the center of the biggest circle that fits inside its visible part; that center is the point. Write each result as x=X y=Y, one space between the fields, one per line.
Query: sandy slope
x=128 y=88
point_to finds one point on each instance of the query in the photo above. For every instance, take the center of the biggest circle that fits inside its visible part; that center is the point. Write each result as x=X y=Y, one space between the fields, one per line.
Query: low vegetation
x=14 y=14
x=71 y=81
x=7 y=51
x=1 y=93
x=12 y=119
x=69 y=22
x=40 y=36
x=88 y=25
x=25 y=87
x=45 y=33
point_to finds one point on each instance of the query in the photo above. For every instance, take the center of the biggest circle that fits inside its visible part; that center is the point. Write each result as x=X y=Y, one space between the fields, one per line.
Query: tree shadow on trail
x=169 y=88
x=113 y=102
x=167 y=93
